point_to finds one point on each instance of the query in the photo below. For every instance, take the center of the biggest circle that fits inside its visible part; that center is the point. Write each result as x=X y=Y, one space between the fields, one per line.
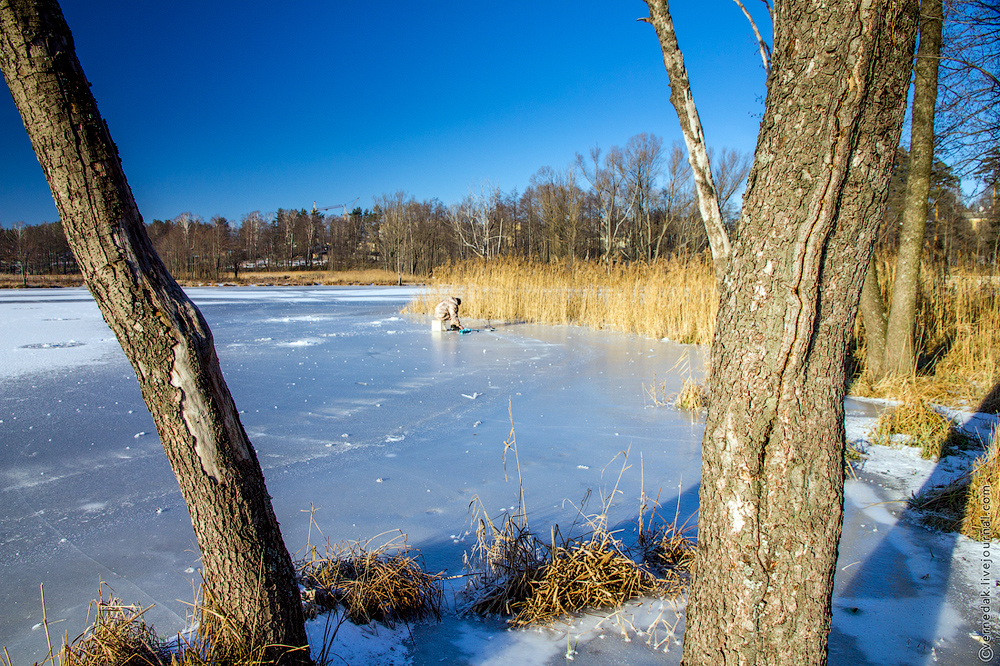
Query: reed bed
x=50 y=280
x=957 y=330
x=957 y=327
x=673 y=299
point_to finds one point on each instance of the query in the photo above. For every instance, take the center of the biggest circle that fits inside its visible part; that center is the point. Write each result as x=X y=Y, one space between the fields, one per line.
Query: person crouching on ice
x=447 y=310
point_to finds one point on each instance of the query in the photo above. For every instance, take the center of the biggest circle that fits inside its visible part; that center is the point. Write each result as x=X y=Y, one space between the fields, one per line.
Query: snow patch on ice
x=307 y=342
x=372 y=644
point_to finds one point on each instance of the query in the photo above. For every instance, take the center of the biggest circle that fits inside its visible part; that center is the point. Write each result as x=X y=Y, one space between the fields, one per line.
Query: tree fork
x=247 y=569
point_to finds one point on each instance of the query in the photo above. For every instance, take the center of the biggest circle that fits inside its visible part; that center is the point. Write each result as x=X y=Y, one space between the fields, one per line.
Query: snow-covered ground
x=374 y=424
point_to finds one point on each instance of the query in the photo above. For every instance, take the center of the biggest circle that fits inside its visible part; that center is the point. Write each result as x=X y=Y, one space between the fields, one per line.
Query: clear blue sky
x=228 y=107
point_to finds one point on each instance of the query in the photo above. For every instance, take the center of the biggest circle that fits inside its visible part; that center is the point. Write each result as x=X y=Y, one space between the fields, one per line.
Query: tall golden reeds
x=957 y=327
x=673 y=299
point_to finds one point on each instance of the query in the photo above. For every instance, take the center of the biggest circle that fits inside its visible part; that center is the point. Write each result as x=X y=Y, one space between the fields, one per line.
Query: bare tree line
x=631 y=203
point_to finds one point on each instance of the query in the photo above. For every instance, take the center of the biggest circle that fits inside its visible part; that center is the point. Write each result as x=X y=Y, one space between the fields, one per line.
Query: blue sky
x=221 y=108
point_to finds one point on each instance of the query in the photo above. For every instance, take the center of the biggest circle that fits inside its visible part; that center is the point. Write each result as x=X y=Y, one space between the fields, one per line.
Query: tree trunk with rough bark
x=873 y=315
x=248 y=573
x=900 y=350
x=772 y=474
x=683 y=102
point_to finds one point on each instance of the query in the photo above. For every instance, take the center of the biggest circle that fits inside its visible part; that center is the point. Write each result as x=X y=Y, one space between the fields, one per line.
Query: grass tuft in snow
x=516 y=574
x=969 y=503
x=384 y=584
x=982 y=506
x=119 y=636
x=923 y=427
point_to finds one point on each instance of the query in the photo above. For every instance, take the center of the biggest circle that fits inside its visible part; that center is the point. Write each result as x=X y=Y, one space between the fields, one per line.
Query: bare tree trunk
x=248 y=572
x=694 y=138
x=874 y=318
x=772 y=474
x=901 y=357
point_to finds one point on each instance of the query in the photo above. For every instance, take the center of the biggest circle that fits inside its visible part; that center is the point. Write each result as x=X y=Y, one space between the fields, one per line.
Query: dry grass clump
x=692 y=396
x=943 y=507
x=386 y=584
x=670 y=551
x=118 y=636
x=924 y=427
x=591 y=574
x=675 y=299
x=969 y=504
x=516 y=574
x=505 y=561
x=533 y=582
x=982 y=506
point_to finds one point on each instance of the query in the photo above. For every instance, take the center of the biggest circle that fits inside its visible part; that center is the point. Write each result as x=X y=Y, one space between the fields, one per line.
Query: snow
x=374 y=424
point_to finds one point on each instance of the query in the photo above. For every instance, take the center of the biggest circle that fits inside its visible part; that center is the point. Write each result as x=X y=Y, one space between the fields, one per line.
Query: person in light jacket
x=447 y=310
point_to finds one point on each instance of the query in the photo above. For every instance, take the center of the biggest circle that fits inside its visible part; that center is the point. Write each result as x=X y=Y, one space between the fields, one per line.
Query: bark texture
x=683 y=102
x=900 y=351
x=772 y=474
x=248 y=573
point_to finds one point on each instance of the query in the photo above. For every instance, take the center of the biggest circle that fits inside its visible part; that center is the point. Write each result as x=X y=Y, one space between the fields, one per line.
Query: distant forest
x=635 y=203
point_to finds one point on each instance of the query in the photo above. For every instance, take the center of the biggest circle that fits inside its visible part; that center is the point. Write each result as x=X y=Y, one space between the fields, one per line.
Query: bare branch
x=765 y=52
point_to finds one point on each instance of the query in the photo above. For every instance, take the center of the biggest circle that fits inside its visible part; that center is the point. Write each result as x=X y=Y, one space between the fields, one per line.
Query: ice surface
x=375 y=424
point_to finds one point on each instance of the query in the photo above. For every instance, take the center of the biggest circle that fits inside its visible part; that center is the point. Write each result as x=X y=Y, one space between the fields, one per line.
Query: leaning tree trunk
x=772 y=474
x=248 y=573
x=683 y=102
x=900 y=351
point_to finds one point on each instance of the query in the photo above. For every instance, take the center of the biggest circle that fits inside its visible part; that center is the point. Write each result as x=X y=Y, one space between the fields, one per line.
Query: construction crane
x=345 y=206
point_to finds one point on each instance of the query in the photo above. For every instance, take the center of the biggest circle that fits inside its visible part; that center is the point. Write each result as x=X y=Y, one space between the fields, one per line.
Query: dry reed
x=119 y=636
x=673 y=299
x=957 y=329
x=516 y=574
x=982 y=506
x=386 y=584
x=920 y=424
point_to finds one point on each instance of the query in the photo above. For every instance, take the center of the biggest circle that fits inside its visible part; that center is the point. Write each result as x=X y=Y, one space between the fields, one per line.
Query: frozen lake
x=354 y=409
